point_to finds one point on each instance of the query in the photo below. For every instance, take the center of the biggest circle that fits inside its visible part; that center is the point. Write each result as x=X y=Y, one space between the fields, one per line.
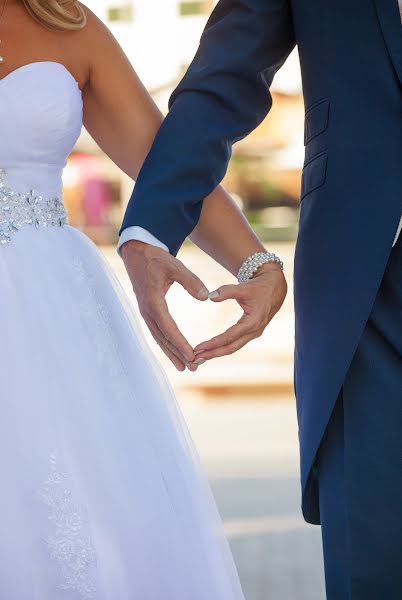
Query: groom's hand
x=152 y=271
x=260 y=298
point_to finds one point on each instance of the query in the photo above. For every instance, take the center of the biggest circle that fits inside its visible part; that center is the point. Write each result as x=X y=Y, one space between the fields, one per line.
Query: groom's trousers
x=359 y=463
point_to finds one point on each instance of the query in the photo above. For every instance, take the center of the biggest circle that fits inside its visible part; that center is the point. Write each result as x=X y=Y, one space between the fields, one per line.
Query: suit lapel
x=390 y=21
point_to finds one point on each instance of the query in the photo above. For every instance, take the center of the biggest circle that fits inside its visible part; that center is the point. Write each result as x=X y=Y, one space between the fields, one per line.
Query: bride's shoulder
x=100 y=51
x=96 y=34
x=93 y=25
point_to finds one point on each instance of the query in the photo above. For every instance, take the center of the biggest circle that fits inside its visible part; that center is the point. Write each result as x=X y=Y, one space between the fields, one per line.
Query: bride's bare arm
x=118 y=111
x=123 y=119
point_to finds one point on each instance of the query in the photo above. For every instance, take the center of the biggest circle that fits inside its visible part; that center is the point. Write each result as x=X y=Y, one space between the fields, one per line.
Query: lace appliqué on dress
x=69 y=543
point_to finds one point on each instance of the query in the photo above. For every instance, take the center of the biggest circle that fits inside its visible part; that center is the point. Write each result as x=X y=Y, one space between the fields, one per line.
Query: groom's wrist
x=140 y=234
x=134 y=247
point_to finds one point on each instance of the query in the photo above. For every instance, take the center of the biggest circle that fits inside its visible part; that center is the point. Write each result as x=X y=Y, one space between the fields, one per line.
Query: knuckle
x=257 y=331
x=226 y=339
x=143 y=311
x=264 y=323
x=149 y=305
x=253 y=333
x=223 y=291
x=173 y=266
x=259 y=326
x=181 y=268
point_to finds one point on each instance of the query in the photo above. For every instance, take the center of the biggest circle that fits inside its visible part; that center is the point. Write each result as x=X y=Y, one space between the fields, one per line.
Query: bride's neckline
x=37 y=63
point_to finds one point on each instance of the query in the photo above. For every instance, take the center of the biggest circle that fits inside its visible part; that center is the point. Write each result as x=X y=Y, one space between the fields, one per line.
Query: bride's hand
x=260 y=298
x=152 y=271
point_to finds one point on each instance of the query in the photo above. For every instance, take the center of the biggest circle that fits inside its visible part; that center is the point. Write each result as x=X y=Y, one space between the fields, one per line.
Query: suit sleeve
x=223 y=97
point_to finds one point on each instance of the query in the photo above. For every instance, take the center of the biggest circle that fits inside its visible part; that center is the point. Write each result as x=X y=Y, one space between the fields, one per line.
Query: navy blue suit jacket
x=351 y=200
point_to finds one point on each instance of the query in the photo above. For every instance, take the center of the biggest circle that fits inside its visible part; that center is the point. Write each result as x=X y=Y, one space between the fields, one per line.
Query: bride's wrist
x=256 y=262
x=267 y=268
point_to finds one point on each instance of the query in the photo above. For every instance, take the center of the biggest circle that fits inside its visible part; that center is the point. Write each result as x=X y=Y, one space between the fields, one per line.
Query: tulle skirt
x=102 y=493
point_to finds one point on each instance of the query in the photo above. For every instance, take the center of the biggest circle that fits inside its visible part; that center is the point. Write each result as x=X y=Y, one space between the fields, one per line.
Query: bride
x=103 y=496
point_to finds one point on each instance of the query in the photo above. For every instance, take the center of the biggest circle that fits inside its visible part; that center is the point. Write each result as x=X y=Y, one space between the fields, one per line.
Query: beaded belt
x=18 y=210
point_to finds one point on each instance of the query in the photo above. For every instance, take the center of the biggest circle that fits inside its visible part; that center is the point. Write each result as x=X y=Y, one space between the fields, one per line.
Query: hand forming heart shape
x=152 y=271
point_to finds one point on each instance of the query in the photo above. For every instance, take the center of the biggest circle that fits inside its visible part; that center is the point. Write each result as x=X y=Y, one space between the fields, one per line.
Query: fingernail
x=192 y=367
x=203 y=293
x=200 y=361
x=213 y=295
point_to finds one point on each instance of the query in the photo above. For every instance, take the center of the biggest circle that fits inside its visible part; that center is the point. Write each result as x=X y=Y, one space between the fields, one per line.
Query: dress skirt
x=102 y=493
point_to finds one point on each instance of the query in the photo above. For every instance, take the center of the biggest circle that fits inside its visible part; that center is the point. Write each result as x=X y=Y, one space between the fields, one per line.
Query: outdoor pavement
x=249 y=448
x=241 y=414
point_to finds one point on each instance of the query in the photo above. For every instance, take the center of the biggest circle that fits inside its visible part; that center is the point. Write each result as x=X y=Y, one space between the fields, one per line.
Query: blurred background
x=241 y=409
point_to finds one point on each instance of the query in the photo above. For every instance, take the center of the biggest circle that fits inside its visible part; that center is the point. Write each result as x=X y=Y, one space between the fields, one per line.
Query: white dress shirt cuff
x=398 y=233
x=140 y=234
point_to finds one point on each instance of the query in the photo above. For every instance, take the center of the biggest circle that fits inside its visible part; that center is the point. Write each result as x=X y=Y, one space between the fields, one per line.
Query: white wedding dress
x=102 y=494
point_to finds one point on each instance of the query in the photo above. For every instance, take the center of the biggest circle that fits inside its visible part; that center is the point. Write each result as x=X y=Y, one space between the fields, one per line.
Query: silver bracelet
x=254 y=262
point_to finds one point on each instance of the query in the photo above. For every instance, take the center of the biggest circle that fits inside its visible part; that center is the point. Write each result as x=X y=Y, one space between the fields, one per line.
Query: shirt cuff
x=398 y=233
x=140 y=234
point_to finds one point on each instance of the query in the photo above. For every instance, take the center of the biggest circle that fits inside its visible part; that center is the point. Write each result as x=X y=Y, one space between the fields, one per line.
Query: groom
x=348 y=266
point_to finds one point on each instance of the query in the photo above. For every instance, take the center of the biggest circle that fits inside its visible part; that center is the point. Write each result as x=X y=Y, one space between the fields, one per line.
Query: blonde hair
x=57 y=14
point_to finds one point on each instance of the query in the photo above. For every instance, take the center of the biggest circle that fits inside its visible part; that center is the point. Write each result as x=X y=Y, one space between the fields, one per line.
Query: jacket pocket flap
x=316 y=120
x=314 y=174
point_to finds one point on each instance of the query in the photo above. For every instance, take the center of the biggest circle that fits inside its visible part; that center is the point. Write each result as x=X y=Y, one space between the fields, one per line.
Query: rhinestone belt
x=18 y=210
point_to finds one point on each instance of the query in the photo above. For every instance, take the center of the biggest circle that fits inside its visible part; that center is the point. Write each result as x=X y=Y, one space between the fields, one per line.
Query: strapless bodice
x=40 y=121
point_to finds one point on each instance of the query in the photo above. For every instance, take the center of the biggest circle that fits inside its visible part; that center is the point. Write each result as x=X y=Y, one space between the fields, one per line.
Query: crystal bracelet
x=254 y=262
